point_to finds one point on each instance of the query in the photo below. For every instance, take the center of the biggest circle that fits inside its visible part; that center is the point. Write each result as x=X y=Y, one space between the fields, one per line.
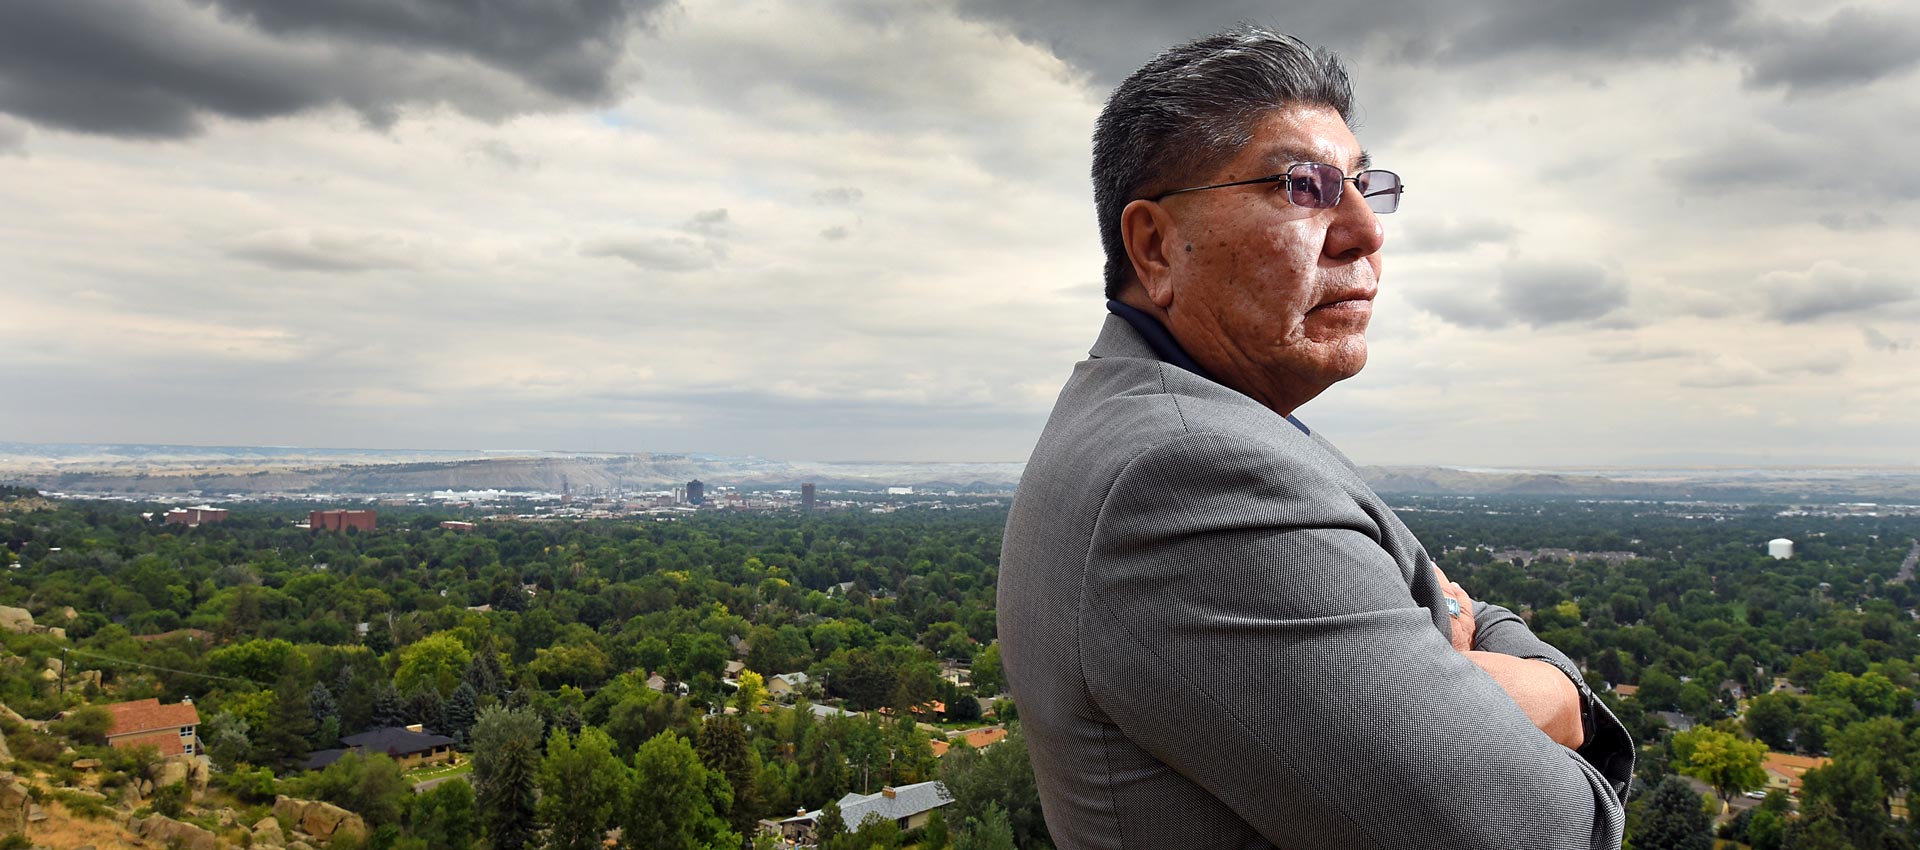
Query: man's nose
x=1355 y=232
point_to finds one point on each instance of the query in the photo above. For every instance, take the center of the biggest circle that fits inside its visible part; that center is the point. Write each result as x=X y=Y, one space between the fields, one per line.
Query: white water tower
x=1780 y=547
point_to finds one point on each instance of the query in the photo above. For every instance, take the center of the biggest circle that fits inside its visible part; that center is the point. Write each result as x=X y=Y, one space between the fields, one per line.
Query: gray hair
x=1191 y=109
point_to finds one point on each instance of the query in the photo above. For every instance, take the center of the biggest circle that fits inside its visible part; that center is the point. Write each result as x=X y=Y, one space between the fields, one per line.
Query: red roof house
x=172 y=729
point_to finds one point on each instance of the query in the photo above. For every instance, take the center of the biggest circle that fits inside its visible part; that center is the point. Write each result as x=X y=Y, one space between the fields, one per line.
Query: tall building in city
x=806 y=496
x=696 y=492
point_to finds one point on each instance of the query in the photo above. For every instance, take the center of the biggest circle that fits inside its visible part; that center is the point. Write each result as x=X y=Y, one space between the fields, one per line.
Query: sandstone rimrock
x=167 y=832
x=15 y=805
x=15 y=620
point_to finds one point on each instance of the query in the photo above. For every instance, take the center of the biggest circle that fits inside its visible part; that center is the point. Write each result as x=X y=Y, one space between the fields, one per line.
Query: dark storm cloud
x=1111 y=39
x=1548 y=294
x=564 y=47
x=1853 y=47
x=157 y=69
x=1803 y=163
x=1830 y=290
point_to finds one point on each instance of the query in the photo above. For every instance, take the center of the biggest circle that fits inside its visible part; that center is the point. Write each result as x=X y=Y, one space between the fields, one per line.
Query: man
x=1217 y=634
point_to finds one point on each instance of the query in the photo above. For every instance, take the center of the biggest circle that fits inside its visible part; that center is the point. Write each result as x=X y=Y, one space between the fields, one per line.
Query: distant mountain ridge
x=252 y=470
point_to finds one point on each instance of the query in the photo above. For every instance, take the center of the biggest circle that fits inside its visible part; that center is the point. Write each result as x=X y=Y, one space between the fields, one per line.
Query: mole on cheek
x=1189 y=247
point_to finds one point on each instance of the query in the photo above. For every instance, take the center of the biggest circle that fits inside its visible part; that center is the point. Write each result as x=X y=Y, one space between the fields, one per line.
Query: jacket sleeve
x=1610 y=749
x=1240 y=621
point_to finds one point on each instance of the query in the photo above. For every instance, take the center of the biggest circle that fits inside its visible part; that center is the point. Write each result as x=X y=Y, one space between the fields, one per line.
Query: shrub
x=171 y=800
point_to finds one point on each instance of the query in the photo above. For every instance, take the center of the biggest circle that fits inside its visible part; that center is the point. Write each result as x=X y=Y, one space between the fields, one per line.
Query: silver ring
x=1453 y=606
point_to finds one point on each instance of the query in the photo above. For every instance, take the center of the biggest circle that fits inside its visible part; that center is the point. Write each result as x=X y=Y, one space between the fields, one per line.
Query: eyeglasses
x=1318 y=186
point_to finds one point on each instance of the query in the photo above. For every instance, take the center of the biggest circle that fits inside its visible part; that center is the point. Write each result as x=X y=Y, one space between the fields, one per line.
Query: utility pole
x=63 y=671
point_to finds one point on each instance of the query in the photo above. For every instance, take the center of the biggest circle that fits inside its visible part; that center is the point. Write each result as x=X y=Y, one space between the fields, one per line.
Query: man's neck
x=1217 y=366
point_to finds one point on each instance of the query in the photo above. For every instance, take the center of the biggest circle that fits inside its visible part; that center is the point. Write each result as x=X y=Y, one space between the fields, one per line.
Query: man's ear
x=1147 y=231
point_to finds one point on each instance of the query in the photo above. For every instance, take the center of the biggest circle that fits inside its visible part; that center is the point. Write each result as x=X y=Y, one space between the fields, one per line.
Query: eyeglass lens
x=1317 y=186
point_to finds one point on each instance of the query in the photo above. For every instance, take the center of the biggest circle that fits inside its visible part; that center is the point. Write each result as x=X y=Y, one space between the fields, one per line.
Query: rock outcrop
x=167 y=832
x=15 y=804
x=267 y=833
x=16 y=620
x=320 y=819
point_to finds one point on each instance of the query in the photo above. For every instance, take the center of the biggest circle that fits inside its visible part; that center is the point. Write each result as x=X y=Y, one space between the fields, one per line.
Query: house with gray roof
x=908 y=806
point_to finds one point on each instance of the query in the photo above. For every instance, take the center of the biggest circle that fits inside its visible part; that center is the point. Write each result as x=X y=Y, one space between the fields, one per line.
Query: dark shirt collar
x=1167 y=348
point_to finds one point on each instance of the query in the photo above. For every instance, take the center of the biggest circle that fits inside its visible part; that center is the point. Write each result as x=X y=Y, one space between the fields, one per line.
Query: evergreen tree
x=423 y=706
x=283 y=743
x=934 y=835
x=485 y=674
x=1676 y=819
x=581 y=783
x=830 y=825
x=992 y=831
x=388 y=708
x=321 y=704
x=458 y=714
x=506 y=765
x=723 y=747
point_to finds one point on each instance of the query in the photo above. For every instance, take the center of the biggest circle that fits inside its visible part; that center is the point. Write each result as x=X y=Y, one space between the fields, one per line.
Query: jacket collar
x=1129 y=332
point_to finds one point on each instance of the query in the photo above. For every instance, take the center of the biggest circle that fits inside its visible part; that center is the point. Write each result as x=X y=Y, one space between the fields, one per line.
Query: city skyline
x=1632 y=237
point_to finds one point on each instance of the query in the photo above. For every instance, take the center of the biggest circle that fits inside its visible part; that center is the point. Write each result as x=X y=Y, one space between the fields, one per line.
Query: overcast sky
x=1636 y=233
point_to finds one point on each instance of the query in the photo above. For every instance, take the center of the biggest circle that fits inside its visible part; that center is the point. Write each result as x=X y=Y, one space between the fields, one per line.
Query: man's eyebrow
x=1279 y=158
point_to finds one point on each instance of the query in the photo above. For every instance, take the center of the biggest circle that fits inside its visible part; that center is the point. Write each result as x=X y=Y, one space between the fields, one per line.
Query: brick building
x=361 y=521
x=202 y=515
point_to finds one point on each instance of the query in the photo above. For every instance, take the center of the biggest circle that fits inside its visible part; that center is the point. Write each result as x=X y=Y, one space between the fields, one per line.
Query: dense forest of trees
x=530 y=643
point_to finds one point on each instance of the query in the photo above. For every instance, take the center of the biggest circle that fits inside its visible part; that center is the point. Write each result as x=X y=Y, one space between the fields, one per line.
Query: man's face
x=1276 y=296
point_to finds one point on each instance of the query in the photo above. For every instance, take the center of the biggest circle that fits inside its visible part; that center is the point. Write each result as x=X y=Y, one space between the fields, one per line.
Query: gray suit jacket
x=1219 y=636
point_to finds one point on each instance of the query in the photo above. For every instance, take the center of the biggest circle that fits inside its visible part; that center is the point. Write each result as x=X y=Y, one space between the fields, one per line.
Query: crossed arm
x=1541 y=690
x=1255 y=636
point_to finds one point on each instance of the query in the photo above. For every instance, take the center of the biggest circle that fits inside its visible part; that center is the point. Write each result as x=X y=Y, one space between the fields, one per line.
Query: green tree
x=1770 y=718
x=988 y=678
x=830 y=826
x=934 y=836
x=459 y=712
x=370 y=785
x=436 y=661
x=1721 y=759
x=86 y=725
x=723 y=748
x=1001 y=776
x=1676 y=819
x=876 y=832
x=990 y=831
x=676 y=803
x=444 y=816
x=581 y=783
x=1847 y=794
x=1879 y=743
x=506 y=767
x=752 y=691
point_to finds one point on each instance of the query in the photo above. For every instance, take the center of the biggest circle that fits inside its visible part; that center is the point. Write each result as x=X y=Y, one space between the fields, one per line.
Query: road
x=1906 y=567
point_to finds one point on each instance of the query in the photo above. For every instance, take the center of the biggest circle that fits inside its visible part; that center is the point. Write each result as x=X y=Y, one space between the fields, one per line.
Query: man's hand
x=1463 y=624
x=1541 y=690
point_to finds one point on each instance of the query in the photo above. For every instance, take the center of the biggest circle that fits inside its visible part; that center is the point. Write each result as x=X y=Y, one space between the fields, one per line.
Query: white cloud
x=854 y=231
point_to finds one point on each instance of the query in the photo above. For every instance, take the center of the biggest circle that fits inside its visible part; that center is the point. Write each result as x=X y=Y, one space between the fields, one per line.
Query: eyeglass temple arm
x=1271 y=178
